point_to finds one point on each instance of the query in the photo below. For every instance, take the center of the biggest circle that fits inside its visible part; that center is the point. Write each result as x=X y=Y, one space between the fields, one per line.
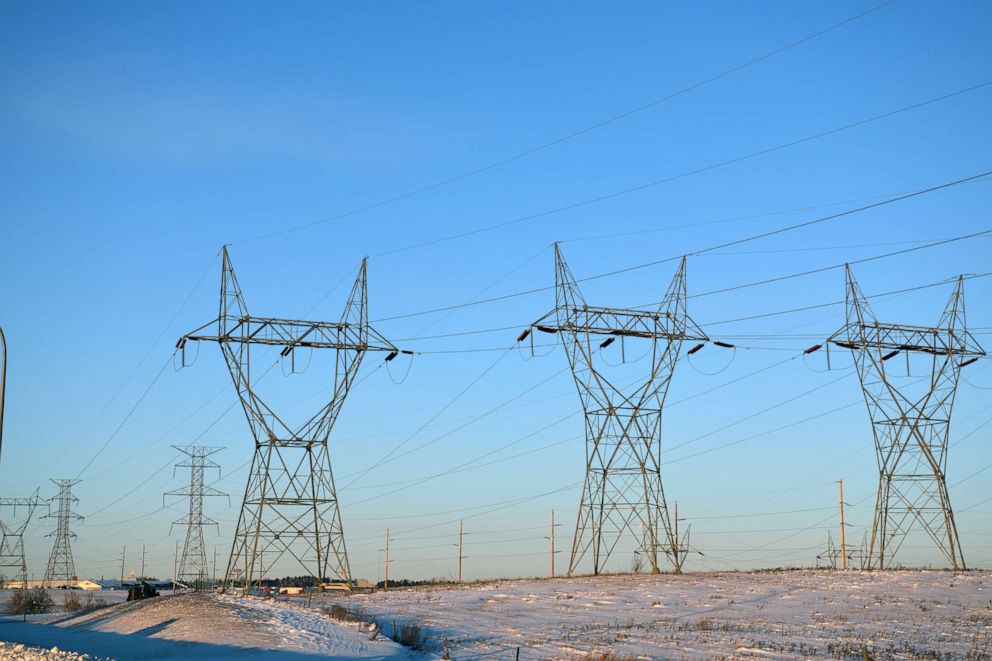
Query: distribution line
x=576 y=133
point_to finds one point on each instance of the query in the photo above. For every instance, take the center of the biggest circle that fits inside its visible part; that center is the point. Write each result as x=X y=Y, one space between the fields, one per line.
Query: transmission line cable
x=573 y=134
x=689 y=173
x=700 y=251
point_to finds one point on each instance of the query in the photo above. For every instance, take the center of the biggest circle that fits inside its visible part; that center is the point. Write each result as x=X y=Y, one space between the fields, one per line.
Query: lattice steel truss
x=193 y=569
x=623 y=491
x=910 y=428
x=61 y=570
x=290 y=507
x=12 y=525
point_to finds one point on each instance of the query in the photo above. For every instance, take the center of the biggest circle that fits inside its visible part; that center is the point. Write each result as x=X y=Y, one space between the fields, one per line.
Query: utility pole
x=460 y=531
x=385 y=582
x=3 y=381
x=193 y=566
x=142 y=562
x=623 y=487
x=678 y=565
x=552 y=543
x=123 y=553
x=213 y=580
x=843 y=546
x=911 y=427
x=304 y=522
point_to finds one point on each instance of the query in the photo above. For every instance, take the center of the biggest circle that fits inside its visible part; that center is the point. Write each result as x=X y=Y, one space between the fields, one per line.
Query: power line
x=700 y=251
x=686 y=174
x=573 y=134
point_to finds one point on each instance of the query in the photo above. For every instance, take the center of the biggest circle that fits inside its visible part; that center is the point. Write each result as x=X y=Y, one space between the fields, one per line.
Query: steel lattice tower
x=623 y=491
x=61 y=568
x=910 y=426
x=290 y=507
x=12 y=559
x=193 y=568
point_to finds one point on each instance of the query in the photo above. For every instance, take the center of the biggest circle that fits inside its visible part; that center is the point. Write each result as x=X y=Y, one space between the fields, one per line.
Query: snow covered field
x=763 y=615
x=204 y=626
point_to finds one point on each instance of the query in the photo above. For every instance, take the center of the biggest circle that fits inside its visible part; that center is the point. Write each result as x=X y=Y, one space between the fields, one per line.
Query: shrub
x=409 y=635
x=34 y=600
x=71 y=601
x=92 y=601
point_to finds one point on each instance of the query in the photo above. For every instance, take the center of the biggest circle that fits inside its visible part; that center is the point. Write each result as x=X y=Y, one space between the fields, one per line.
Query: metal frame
x=910 y=430
x=61 y=568
x=193 y=570
x=623 y=491
x=12 y=545
x=290 y=506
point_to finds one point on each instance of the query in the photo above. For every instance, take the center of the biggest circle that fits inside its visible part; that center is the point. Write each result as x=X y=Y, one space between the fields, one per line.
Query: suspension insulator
x=815 y=347
x=523 y=335
x=695 y=349
x=607 y=342
x=392 y=354
x=725 y=345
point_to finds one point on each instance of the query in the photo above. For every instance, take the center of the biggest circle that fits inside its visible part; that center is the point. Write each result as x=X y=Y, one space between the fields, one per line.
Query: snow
x=202 y=626
x=760 y=615
x=21 y=652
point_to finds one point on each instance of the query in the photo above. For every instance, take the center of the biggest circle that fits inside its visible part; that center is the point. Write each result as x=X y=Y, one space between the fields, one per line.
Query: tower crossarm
x=293 y=333
x=896 y=337
x=620 y=322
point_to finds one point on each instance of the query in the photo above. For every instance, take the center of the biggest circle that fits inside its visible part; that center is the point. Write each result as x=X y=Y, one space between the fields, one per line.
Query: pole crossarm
x=619 y=322
x=910 y=420
x=290 y=510
x=886 y=338
x=623 y=493
x=292 y=334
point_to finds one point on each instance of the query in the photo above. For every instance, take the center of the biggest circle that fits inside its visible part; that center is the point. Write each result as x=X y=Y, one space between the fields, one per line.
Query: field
x=761 y=615
x=757 y=615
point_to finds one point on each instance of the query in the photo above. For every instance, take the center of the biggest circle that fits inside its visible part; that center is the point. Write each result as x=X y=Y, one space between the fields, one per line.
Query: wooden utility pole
x=461 y=529
x=142 y=562
x=552 y=543
x=678 y=558
x=123 y=552
x=843 y=545
x=385 y=581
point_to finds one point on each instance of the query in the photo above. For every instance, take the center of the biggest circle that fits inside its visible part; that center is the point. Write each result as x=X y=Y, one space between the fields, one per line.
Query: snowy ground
x=763 y=615
x=204 y=626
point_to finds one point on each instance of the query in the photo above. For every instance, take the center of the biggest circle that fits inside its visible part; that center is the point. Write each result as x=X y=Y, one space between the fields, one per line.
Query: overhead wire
x=686 y=174
x=576 y=133
x=699 y=251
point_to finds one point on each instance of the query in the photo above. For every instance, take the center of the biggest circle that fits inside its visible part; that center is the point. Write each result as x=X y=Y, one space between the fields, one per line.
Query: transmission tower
x=623 y=491
x=12 y=560
x=60 y=568
x=910 y=420
x=193 y=570
x=290 y=507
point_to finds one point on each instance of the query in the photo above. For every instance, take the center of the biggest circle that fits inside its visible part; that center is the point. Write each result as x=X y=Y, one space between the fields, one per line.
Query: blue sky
x=137 y=139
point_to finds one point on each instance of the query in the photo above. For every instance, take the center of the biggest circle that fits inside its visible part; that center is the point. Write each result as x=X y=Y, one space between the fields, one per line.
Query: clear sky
x=136 y=139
